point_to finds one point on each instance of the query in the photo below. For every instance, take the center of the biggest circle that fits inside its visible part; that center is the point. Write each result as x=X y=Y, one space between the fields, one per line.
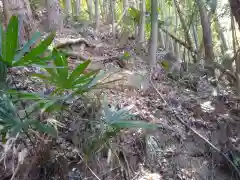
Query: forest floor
x=177 y=149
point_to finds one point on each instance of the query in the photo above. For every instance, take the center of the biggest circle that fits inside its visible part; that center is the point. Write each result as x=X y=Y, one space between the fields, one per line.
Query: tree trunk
x=78 y=7
x=55 y=19
x=90 y=9
x=112 y=7
x=207 y=33
x=154 y=34
x=221 y=36
x=68 y=6
x=97 y=15
x=20 y=8
x=142 y=21
x=235 y=6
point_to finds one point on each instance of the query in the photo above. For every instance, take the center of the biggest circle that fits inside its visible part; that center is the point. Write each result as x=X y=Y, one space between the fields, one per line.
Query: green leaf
x=49 y=105
x=3 y=134
x=11 y=40
x=50 y=130
x=27 y=46
x=60 y=60
x=78 y=70
x=42 y=77
x=25 y=95
x=133 y=124
x=1 y=39
x=40 y=49
x=99 y=76
x=85 y=78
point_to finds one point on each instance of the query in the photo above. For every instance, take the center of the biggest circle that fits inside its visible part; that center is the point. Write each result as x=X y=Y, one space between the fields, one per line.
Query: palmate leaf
x=78 y=70
x=33 y=55
x=10 y=40
x=44 y=128
x=133 y=124
x=60 y=60
x=27 y=46
x=96 y=78
x=84 y=78
x=1 y=39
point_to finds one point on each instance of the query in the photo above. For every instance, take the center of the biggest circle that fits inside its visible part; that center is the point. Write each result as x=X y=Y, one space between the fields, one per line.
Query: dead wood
x=71 y=42
x=104 y=59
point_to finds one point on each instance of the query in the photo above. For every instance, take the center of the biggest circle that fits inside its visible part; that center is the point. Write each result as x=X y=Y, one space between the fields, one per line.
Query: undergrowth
x=65 y=85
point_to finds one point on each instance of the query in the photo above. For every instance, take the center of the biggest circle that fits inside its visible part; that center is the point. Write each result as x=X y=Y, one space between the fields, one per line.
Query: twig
x=88 y=166
x=195 y=132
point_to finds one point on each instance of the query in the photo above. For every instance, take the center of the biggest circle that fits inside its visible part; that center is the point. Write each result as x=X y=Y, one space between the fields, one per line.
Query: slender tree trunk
x=154 y=34
x=78 y=7
x=55 y=19
x=207 y=33
x=125 y=34
x=142 y=21
x=20 y=8
x=90 y=9
x=221 y=36
x=160 y=38
x=235 y=6
x=68 y=6
x=112 y=7
x=97 y=15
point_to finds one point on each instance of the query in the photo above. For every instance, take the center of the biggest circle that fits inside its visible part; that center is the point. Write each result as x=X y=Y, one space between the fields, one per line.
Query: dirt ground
x=172 y=151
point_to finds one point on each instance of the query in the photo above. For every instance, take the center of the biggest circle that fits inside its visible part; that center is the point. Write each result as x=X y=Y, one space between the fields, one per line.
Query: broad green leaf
x=41 y=76
x=27 y=46
x=85 y=78
x=36 y=62
x=1 y=39
x=78 y=70
x=60 y=60
x=25 y=95
x=133 y=124
x=49 y=105
x=50 y=130
x=11 y=39
x=40 y=49
x=99 y=76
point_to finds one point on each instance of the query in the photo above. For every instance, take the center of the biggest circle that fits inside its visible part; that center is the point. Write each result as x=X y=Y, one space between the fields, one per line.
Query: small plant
x=63 y=79
x=11 y=56
x=111 y=124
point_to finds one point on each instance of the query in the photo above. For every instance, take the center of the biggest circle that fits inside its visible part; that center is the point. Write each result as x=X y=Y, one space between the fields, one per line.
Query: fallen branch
x=74 y=42
x=77 y=55
x=194 y=131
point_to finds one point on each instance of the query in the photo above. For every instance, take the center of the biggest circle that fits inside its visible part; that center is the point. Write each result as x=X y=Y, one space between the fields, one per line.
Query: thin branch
x=88 y=166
